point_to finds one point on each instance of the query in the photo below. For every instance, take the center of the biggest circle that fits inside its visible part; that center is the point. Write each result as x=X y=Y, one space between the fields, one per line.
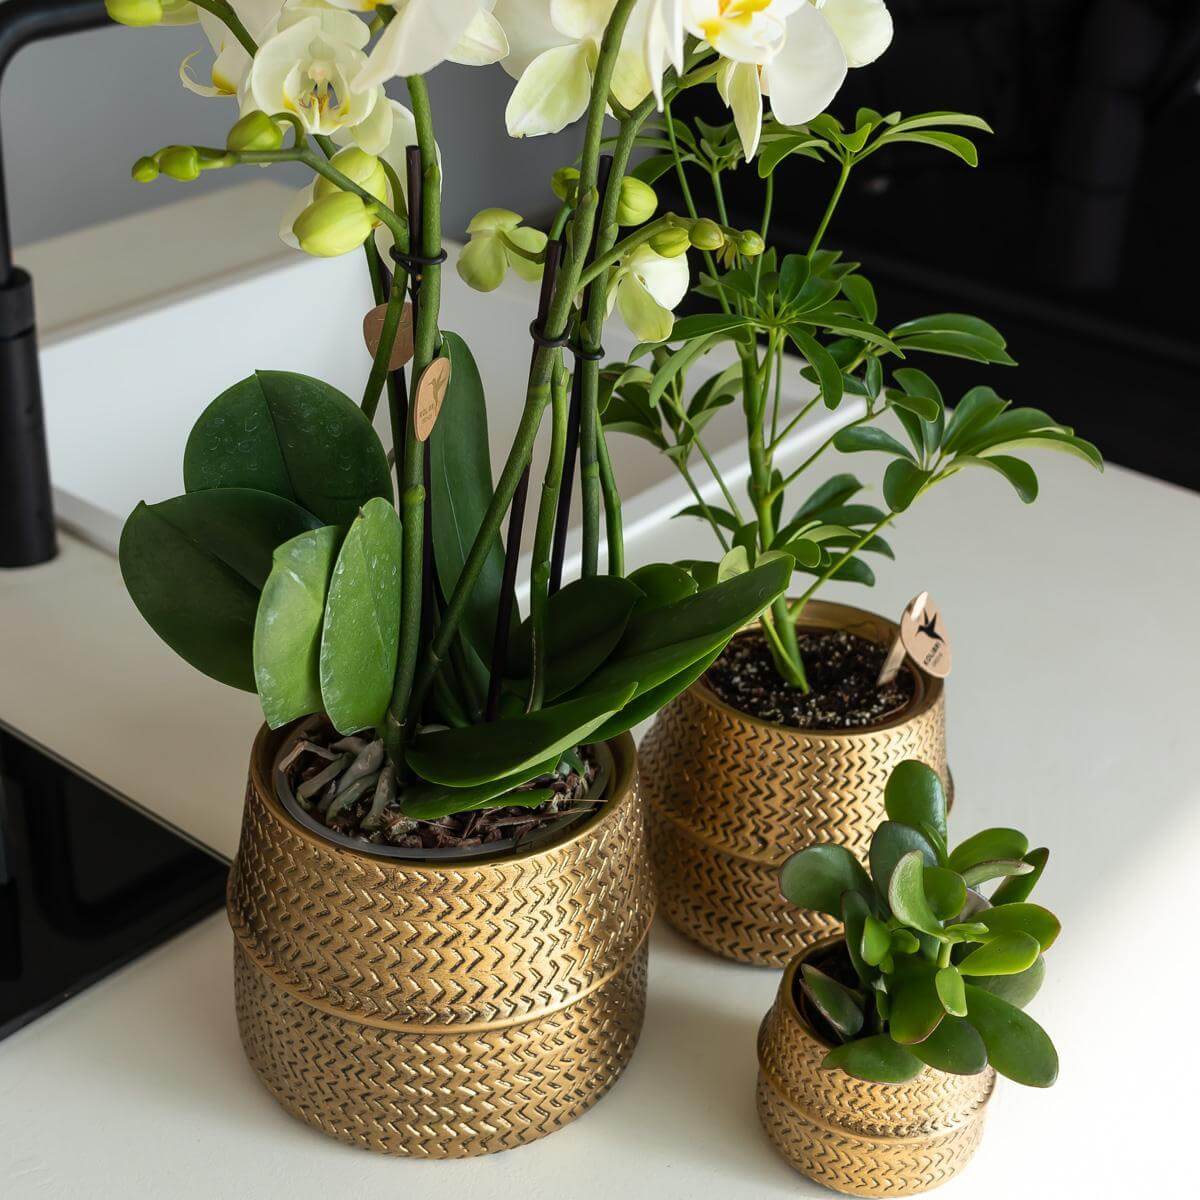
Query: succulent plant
x=942 y=973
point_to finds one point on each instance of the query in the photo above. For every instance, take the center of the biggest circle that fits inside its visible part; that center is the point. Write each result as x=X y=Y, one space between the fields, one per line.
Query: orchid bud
x=670 y=243
x=564 y=183
x=255 y=131
x=707 y=235
x=335 y=224
x=141 y=13
x=180 y=162
x=361 y=168
x=145 y=170
x=750 y=243
x=637 y=203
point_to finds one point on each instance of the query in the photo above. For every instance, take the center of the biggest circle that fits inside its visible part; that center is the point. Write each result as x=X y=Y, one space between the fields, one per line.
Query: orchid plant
x=294 y=565
x=935 y=973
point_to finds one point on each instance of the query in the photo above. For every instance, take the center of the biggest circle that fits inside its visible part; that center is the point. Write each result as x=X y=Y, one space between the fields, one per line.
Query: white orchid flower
x=662 y=42
x=645 y=289
x=232 y=61
x=307 y=67
x=750 y=31
x=553 y=49
x=740 y=86
x=425 y=33
x=487 y=256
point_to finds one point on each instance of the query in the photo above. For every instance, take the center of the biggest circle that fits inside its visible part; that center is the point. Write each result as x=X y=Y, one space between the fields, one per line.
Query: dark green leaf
x=960 y=147
x=841 y=1007
x=675 y=363
x=584 y=623
x=891 y=841
x=774 y=152
x=856 y=914
x=914 y=796
x=705 y=325
x=957 y=345
x=902 y=483
x=861 y=294
x=829 y=375
x=1005 y=954
x=816 y=877
x=945 y=891
x=661 y=584
x=361 y=633
x=996 y=868
x=431 y=801
x=1017 y=989
x=876 y=941
x=834 y=491
x=460 y=471
x=287 y=629
x=1020 y=474
x=954 y=1047
x=952 y=323
x=479 y=754
x=713 y=512
x=973 y=412
x=195 y=565
x=793 y=275
x=876 y=1059
x=866 y=437
x=292 y=436
x=988 y=843
x=653 y=168
x=916 y=1007
x=1017 y=1045
x=1033 y=919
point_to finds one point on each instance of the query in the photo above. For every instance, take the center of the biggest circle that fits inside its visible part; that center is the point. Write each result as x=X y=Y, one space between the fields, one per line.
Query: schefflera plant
x=943 y=971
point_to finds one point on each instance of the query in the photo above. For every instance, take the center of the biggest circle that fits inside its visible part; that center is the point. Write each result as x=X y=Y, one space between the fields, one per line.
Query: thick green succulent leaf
x=361 y=634
x=876 y=940
x=479 y=754
x=954 y=1046
x=914 y=796
x=1017 y=989
x=287 y=629
x=195 y=566
x=997 y=868
x=951 y=990
x=584 y=623
x=292 y=436
x=877 y=1059
x=661 y=584
x=1018 y=887
x=891 y=841
x=841 y=1007
x=1005 y=954
x=856 y=912
x=1033 y=919
x=916 y=1006
x=816 y=877
x=906 y=895
x=1017 y=1045
x=460 y=473
x=945 y=891
x=988 y=844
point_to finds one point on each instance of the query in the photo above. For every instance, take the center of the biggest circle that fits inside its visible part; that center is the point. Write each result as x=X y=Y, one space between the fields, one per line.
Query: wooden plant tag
x=923 y=639
x=431 y=391
x=402 y=347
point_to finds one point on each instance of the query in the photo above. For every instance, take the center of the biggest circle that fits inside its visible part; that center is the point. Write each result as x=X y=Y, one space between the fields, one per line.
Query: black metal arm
x=26 y=513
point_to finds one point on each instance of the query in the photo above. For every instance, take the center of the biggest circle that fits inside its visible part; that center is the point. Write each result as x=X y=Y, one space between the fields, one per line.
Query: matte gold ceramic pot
x=865 y=1139
x=730 y=797
x=439 y=1010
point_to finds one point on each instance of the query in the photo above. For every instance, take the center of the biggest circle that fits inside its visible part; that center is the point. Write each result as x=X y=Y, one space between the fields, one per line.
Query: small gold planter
x=865 y=1139
x=439 y=1010
x=730 y=797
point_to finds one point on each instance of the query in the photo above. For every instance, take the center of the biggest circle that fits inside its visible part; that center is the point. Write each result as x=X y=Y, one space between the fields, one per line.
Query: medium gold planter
x=865 y=1139
x=730 y=797
x=439 y=1010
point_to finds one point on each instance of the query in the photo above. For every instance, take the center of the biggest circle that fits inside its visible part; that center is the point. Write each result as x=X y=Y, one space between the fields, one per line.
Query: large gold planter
x=434 y=1010
x=866 y=1139
x=730 y=797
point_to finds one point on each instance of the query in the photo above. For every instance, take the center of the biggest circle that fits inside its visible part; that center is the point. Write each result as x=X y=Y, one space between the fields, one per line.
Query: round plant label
x=431 y=391
x=924 y=636
x=402 y=347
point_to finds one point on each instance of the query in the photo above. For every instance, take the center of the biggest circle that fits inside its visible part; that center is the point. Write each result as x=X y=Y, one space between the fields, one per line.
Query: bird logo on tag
x=922 y=638
x=431 y=392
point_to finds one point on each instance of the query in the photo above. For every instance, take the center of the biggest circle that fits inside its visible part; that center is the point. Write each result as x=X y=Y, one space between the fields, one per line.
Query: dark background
x=1076 y=235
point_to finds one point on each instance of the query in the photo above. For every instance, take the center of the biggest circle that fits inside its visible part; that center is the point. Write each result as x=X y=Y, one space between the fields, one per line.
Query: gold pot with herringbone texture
x=729 y=797
x=866 y=1139
x=440 y=1010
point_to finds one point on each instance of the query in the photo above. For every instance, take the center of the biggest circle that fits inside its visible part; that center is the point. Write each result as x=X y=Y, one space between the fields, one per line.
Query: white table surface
x=1072 y=715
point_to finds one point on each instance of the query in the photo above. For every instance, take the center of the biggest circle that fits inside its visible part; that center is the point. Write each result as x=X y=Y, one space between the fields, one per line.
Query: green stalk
x=797 y=606
x=539 y=583
x=614 y=531
x=387 y=339
x=401 y=715
x=224 y=12
x=833 y=202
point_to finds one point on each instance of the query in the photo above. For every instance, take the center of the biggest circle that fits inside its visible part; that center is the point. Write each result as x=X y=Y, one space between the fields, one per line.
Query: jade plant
x=762 y=309
x=297 y=563
x=936 y=973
